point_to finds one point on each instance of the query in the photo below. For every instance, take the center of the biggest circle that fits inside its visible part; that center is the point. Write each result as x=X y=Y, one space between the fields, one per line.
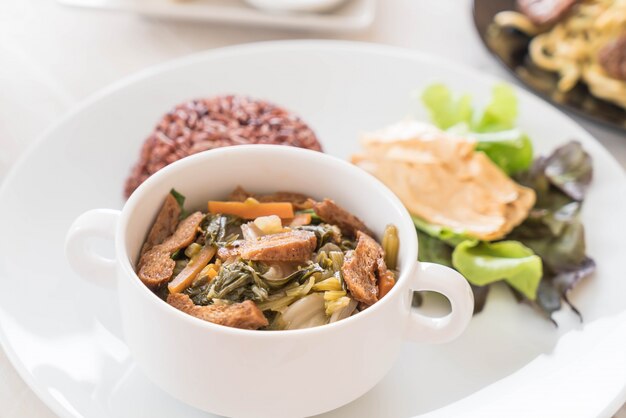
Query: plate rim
x=310 y=44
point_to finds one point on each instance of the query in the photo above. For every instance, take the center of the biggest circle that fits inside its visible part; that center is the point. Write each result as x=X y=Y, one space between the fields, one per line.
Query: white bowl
x=246 y=373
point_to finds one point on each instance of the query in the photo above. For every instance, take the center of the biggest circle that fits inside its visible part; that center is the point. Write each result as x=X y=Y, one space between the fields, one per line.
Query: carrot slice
x=191 y=270
x=300 y=219
x=252 y=209
x=385 y=284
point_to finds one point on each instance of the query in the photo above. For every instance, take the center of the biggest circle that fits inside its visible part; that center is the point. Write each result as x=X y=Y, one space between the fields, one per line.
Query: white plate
x=354 y=15
x=62 y=334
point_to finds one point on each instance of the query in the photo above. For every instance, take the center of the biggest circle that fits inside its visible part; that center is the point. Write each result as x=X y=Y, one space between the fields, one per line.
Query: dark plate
x=510 y=47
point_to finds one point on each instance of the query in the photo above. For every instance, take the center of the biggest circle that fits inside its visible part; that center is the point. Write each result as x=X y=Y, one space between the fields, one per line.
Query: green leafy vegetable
x=563 y=251
x=548 y=297
x=480 y=297
x=483 y=263
x=545 y=256
x=180 y=199
x=330 y=260
x=347 y=244
x=279 y=301
x=238 y=282
x=442 y=233
x=217 y=228
x=338 y=258
x=553 y=229
x=235 y=282
x=510 y=150
x=501 y=113
x=198 y=293
x=565 y=280
x=178 y=254
x=433 y=250
x=315 y=219
x=569 y=169
x=298 y=276
x=445 y=111
x=323 y=232
x=493 y=129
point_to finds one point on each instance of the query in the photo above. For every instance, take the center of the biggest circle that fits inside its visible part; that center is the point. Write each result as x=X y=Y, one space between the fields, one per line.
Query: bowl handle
x=97 y=223
x=441 y=279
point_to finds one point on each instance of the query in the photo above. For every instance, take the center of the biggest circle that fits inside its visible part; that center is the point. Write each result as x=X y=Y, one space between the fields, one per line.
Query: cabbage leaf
x=483 y=263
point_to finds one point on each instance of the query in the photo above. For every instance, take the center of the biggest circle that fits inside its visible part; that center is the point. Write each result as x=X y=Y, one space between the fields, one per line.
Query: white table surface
x=52 y=57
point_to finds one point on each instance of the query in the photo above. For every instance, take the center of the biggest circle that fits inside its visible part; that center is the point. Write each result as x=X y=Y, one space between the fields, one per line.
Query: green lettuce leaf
x=433 y=250
x=510 y=150
x=445 y=111
x=545 y=256
x=442 y=233
x=561 y=252
x=484 y=263
x=501 y=113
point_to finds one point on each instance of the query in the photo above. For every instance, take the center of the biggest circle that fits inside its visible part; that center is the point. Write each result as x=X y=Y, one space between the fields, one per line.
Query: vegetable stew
x=271 y=262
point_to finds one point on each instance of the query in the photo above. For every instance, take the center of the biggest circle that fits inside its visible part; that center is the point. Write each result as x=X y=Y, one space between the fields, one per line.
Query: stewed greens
x=239 y=266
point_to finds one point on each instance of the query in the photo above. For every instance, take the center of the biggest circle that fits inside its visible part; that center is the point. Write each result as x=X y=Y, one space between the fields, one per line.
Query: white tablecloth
x=52 y=57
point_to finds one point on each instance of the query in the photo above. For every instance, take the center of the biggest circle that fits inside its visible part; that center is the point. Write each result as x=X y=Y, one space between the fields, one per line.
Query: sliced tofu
x=165 y=223
x=362 y=269
x=156 y=265
x=294 y=245
x=244 y=315
x=333 y=214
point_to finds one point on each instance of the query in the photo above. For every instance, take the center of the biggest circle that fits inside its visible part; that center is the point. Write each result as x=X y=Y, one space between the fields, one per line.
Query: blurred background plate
x=351 y=16
x=314 y=6
x=511 y=50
